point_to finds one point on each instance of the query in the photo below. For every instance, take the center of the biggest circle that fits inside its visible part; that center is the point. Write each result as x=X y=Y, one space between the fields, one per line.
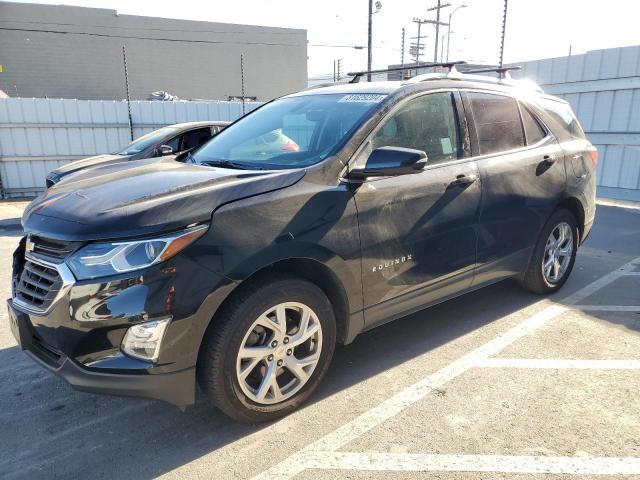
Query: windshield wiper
x=229 y=164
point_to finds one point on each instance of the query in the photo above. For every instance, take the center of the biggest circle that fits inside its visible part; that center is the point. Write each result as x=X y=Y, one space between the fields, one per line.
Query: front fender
x=303 y=221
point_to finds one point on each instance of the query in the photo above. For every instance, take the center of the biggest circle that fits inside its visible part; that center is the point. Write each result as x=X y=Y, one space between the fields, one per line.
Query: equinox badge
x=390 y=263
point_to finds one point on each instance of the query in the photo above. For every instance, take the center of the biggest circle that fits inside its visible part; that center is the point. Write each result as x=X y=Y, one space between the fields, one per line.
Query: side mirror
x=164 y=150
x=391 y=161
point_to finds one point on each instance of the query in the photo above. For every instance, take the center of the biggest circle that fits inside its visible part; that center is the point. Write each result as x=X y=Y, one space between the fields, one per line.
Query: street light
x=464 y=5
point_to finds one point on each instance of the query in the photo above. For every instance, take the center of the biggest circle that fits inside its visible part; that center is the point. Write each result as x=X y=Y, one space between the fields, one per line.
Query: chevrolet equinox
x=316 y=217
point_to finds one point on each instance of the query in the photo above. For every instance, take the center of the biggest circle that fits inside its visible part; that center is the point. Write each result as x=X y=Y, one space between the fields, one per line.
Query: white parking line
x=422 y=462
x=609 y=308
x=331 y=442
x=553 y=363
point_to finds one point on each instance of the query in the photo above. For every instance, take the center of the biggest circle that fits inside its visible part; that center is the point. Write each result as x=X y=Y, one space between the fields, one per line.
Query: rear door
x=523 y=179
x=418 y=231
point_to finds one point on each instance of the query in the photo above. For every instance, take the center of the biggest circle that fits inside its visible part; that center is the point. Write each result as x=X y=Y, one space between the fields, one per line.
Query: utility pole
x=402 y=50
x=126 y=85
x=504 y=28
x=437 y=8
x=338 y=69
x=242 y=80
x=370 y=40
x=415 y=49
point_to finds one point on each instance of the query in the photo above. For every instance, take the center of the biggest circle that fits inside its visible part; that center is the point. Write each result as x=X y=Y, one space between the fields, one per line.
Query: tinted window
x=532 y=129
x=425 y=123
x=497 y=122
x=174 y=143
x=195 y=138
x=291 y=132
x=561 y=112
x=146 y=141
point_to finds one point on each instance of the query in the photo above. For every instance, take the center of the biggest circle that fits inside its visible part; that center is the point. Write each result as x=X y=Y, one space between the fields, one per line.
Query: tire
x=534 y=279
x=220 y=365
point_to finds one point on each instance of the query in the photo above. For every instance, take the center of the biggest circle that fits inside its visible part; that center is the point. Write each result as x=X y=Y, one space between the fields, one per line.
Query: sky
x=535 y=28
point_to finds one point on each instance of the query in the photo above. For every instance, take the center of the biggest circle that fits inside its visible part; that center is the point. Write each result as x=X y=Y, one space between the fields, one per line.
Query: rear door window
x=497 y=122
x=533 y=131
x=427 y=123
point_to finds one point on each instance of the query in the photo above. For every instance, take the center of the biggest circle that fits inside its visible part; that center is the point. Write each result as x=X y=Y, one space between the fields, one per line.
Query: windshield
x=145 y=141
x=291 y=132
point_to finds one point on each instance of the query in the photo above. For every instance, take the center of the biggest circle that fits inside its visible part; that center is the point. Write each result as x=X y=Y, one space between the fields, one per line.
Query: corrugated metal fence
x=37 y=134
x=603 y=87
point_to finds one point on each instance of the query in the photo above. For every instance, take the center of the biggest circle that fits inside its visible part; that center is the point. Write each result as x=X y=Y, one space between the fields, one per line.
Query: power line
x=163 y=29
x=131 y=37
x=221 y=32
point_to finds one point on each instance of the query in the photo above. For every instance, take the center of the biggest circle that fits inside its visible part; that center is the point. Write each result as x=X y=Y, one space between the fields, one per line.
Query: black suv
x=310 y=220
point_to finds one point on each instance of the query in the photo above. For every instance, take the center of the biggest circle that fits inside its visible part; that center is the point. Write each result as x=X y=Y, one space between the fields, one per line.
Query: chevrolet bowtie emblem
x=28 y=246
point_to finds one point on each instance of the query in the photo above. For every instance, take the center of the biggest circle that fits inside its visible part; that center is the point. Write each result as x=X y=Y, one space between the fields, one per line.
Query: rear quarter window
x=562 y=114
x=533 y=131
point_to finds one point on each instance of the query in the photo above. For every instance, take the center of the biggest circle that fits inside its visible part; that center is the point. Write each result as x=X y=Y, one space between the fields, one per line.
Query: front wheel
x=268 y=350
x=554 y=254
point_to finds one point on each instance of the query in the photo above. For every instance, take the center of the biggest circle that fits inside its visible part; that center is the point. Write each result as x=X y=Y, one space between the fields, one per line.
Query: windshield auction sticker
x=362 y=98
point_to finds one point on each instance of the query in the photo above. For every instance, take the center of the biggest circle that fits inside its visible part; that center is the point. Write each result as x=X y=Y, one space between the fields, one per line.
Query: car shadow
x=50 y=430
x=57 y=426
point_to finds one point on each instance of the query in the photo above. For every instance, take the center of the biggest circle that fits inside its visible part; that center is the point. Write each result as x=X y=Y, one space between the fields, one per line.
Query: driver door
x=419 y=231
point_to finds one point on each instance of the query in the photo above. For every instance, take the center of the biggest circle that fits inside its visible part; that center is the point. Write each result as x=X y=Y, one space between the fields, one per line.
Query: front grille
x=37 y=285
x=54 y=249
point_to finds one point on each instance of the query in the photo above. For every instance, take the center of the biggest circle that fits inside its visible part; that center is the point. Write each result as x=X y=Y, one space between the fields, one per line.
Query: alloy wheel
x=279 y=353
x=557 y=252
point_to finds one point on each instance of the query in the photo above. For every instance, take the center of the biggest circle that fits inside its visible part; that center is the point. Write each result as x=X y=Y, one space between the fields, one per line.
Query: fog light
x=143 y=340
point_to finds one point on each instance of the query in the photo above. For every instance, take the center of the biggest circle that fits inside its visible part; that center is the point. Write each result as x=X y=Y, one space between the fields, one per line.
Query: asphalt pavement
x=499 y=383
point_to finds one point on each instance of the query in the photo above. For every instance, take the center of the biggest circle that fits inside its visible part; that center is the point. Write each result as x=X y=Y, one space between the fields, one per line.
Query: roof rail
x=449 y=65
x=504 y=77
x=503 y=72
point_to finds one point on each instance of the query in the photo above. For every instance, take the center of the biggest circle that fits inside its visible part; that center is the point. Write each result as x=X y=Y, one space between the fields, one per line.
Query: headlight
x=143 y=340
x=103 y=259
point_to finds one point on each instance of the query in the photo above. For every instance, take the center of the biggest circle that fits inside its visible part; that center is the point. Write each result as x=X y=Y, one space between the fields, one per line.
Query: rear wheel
x=554 y=254
x=269 y=351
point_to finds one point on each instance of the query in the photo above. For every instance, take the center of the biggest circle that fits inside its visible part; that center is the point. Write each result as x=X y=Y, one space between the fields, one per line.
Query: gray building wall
x=193 y=60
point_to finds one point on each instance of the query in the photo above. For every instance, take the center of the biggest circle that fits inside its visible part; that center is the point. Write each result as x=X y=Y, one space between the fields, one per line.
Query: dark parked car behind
x=242 y=267
x=170 y=140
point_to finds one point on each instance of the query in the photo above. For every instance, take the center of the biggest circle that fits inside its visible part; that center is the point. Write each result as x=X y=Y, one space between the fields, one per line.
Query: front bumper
x=79 y=335
x=176 y=388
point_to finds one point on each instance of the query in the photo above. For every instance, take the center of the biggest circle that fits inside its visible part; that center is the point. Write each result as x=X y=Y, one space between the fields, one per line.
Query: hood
x=88 y=162
x=139 y=198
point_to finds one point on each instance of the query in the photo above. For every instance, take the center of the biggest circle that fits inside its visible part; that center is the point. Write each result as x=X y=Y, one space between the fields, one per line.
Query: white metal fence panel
x=38 y=135
x=603 y=87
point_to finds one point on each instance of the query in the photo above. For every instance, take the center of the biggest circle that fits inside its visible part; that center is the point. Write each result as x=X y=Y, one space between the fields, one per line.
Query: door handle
x=549 y=160
x=463 y=180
